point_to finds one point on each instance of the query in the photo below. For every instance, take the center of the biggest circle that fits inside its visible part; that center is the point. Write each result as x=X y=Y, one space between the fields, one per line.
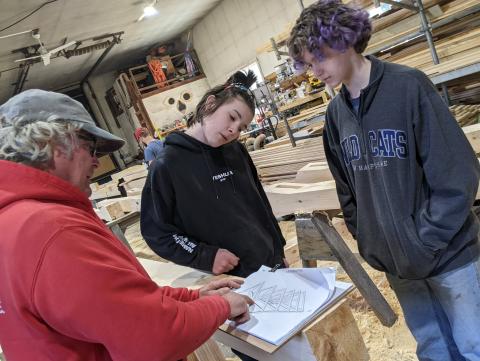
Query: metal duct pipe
x=87 y=49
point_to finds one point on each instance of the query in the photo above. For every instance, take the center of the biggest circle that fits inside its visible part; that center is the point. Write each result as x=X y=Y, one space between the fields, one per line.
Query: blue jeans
x=443 y=313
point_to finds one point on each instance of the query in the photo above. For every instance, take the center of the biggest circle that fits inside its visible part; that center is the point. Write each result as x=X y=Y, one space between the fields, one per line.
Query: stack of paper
x=287 y=299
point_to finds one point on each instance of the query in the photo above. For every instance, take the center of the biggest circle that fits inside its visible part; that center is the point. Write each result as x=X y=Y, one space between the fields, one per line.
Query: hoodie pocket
x=413 y=259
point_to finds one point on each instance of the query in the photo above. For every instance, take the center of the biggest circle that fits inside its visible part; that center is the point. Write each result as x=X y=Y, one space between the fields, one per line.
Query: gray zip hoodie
x=405 y=173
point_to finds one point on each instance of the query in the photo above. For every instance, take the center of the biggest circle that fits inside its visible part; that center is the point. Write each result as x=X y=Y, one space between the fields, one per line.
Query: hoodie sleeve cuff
x=206 y=257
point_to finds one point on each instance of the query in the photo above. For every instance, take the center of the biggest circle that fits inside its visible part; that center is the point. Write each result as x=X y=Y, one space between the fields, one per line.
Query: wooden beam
x=355 y=271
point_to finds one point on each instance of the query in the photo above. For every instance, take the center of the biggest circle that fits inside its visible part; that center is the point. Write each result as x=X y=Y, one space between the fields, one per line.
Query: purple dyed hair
x=328 y=23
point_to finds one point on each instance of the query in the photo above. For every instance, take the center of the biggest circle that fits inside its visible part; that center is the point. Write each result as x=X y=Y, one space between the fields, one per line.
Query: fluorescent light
x=149 y=11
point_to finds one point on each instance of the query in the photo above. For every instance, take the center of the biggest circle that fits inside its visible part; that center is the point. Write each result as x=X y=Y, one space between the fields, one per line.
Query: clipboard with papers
x=286 y=301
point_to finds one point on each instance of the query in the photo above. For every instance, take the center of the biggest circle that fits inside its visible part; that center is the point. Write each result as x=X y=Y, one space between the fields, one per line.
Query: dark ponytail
x=237 y=86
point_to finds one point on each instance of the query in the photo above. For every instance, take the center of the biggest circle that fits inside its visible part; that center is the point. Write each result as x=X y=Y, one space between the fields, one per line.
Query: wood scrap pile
x=106 y=190
x=466 y=114
x=133 y=183
x=109 y=203
x=128 y=182
x=114 y=208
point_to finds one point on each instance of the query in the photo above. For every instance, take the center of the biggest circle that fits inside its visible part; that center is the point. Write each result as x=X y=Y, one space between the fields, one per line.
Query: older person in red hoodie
x=69 y=290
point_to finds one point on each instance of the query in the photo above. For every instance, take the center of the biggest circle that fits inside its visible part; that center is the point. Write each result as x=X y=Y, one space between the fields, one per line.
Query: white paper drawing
x=285 y=300
x=274 y=299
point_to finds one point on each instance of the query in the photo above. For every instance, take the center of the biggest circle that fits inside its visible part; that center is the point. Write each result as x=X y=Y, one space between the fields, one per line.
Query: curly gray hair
x=32 y=143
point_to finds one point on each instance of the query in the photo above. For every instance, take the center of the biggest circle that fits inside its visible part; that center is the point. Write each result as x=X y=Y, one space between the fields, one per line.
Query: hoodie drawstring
x=211 y=172
x=231 y=177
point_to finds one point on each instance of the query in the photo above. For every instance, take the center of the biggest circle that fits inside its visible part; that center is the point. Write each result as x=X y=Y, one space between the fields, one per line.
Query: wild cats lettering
x=382 y=143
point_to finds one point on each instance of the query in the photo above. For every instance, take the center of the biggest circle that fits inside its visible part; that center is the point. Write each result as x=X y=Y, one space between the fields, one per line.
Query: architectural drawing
x=285 y=300
x=275 y=299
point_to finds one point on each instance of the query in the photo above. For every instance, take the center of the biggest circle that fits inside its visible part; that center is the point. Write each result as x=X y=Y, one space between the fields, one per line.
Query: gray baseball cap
x=40 y=105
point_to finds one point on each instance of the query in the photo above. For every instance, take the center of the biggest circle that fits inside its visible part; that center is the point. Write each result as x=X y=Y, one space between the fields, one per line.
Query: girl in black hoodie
x=203 y=205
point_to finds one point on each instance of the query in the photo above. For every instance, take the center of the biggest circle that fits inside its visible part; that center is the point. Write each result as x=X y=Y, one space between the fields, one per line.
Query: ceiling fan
x=45 y=54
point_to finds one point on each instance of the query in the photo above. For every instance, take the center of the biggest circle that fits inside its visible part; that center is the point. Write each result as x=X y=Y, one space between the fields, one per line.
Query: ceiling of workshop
x=62 y=21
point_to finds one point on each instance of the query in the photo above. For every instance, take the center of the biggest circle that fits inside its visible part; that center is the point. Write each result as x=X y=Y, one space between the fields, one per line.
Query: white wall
x=226 y=39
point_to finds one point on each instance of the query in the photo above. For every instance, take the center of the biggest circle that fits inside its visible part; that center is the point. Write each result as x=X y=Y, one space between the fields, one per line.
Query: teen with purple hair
x=406 y=178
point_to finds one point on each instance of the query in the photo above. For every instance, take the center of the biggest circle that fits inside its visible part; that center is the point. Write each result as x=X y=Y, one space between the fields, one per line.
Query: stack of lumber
x=306 y=114
x=466 y=114
x=399 y=14
x=106 y=190
x=283 y=161
x=467 y=90
x=457 y=43
x=394 y=28
x=454 y=52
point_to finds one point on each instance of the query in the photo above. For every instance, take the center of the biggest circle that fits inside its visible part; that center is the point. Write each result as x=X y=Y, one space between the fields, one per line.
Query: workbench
x=332 y=336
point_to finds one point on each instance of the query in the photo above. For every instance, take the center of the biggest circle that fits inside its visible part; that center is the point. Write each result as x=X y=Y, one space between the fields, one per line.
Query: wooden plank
x=288 y=198
x=355 y=271
x=314 y=172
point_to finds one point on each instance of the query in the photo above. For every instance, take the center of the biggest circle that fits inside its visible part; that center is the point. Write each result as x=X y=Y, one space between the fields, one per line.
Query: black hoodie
x=198 y=199
x=406 y=175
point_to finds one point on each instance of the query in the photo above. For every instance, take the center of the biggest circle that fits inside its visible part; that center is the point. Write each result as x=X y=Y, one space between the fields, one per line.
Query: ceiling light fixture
x=149 y=11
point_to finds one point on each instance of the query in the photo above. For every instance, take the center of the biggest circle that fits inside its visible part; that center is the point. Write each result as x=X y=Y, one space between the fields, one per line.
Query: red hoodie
x=69 y=290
